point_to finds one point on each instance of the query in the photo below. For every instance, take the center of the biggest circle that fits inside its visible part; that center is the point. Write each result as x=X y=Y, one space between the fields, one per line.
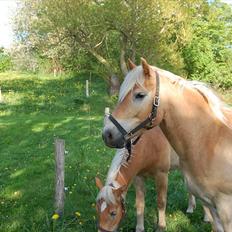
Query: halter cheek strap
x=147 y=123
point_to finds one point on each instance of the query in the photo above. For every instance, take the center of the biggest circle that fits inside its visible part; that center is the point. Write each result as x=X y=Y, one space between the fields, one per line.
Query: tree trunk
x=123 y=65
x=133 y=53
x=103 y=61
x=114 y=85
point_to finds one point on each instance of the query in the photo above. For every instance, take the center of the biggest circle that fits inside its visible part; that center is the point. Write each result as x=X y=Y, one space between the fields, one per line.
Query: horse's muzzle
x=113 y=138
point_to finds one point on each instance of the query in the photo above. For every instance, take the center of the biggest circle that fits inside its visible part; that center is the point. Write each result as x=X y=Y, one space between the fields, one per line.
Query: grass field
x=38 y=109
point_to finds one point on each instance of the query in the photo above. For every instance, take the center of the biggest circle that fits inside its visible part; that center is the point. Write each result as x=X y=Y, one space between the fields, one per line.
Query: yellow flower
x=78 y=214
x=93 y=205
x=55 y=216
x=80 y=223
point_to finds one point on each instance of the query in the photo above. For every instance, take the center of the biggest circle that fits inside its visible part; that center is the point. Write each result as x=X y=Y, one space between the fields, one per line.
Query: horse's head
x=110 y=207
x=136 y=100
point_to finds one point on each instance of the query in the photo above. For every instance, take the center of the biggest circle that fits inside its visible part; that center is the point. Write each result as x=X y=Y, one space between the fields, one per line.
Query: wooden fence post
x=87 y=88
x=1 y=97
x=107 y=112
x=60 y=160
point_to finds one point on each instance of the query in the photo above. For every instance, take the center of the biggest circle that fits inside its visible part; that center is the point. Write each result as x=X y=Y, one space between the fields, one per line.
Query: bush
x=5 y=61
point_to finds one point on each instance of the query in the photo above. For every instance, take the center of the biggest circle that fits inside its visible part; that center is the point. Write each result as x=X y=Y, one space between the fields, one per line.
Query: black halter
x=147 y=123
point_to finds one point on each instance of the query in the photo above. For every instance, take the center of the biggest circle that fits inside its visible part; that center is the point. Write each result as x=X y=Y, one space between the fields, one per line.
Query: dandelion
x=55 y=216
x=78 y=214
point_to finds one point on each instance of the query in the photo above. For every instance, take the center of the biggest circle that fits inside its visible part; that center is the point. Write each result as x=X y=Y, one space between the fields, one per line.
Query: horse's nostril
x=108 y=135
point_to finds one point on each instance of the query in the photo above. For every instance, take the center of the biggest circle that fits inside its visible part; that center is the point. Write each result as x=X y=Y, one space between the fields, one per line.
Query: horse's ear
x=118 y=192
x=146 y=67
x=98 y=183
x=131 y=65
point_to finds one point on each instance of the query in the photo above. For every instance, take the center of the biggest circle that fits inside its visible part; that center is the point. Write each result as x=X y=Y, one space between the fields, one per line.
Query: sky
x=7 y=8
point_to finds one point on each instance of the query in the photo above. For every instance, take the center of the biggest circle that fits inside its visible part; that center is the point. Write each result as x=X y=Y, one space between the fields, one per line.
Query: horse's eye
x=140 y=96
x=113 y=214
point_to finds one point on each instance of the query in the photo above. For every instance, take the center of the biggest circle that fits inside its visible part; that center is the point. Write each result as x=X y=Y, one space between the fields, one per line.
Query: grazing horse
x=149 y=157
x=197 y=124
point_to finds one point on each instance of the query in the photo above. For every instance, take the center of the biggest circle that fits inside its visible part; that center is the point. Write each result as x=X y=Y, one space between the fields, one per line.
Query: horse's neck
x=187 y=117
x=126 y=172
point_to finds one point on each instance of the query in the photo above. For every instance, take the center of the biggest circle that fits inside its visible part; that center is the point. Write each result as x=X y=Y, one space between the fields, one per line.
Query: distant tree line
x=192 y=38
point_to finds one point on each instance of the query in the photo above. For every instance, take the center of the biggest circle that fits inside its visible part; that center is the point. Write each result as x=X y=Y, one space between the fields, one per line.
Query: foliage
x=190 y=38
x=208 y=56
x=39 y=108
x=5 y=61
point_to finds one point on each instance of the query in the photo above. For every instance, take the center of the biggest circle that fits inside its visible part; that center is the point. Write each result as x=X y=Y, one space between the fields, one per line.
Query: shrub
x=5 y=61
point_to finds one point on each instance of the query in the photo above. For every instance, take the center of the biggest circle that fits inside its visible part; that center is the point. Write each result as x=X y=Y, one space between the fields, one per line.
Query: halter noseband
x=147 y=123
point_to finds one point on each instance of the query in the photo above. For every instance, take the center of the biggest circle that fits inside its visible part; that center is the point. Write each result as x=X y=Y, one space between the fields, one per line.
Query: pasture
x=36 y=110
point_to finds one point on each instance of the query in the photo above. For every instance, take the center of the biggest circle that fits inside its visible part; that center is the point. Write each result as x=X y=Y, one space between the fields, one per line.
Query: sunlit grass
x=37 y=110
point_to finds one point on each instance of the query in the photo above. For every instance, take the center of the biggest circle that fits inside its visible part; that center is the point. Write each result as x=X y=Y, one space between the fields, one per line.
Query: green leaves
x=191 y=38
x=5 y=61
x=208 y=55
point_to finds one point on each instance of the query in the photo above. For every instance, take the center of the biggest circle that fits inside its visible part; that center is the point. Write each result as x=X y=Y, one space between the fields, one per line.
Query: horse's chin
x=117 y=144
x=113 y=140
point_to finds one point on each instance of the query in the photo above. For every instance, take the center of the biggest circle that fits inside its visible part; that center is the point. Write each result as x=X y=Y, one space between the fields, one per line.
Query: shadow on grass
x=37 y=111
x=45 y=110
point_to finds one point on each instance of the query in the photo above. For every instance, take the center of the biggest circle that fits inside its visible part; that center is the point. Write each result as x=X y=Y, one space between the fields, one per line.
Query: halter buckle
x=156 y=101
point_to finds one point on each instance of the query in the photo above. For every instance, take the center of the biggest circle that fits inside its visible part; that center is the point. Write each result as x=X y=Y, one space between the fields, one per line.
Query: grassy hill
x=36 y=110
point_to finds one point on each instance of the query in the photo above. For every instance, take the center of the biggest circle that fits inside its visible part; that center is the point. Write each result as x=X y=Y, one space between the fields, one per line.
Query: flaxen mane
x=106 y=192
x=219 y=108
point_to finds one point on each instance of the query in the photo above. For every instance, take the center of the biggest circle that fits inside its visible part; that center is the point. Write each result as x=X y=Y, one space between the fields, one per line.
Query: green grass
x=38 y=109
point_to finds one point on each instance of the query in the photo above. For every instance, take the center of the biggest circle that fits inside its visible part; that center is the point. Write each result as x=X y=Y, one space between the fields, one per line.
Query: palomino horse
x=150 y=157
x=197 y=124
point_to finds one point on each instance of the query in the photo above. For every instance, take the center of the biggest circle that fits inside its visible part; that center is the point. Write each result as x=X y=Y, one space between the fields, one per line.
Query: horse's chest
x=196 y=188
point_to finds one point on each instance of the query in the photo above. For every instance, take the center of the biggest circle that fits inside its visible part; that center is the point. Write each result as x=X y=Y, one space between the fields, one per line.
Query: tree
x=208 y=55
x=101 y=34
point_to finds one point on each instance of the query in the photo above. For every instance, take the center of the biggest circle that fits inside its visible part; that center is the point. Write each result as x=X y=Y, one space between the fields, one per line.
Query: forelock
x=106 y=194
x=135 y=76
